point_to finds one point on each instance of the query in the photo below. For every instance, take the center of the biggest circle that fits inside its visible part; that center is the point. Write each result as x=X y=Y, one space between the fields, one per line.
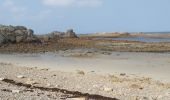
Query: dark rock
x=2 y=39
x=56 y=34
x=20 y=27
x=70 y=34
x=12 y=34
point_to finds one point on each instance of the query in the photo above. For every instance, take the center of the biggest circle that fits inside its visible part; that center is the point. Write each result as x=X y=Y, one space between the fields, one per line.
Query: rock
x=78 y=98
x=57 y=35
x=58 y=86
x=19 y=39
x=21 y=28
x=2 y=39
x=80 y=72
x=46 y=38
x=167 y=93
x=146 y=98
x=122 y=74
x=107 y=89
x=16 y=34
x=30 y=81
x=135 y=86
x=44 y=69
x=1 y=79
x=20 y=76
x=30 y=32
x=70 y=34
x=16 y=91
x=48 y=85
x=159 y=97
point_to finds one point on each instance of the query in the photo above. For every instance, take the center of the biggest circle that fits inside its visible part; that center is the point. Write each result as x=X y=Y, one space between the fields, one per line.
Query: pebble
x=1 y=79
x=58 y=86
x=107 y=89
x=16 y=91
x=20 y=76
x=167 y=92
x=48 y=85
x=122 y=74
x=44 y=69
x=146 y=98
x=160 y=97
x=78 y=98
x=30 y=81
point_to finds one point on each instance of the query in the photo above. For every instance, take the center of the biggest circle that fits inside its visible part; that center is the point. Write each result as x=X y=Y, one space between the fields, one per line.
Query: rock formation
x=69 y=34
x=16 y=34
x=56 y=35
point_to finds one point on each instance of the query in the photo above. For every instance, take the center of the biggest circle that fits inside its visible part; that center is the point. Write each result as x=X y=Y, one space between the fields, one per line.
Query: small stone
x=57 y=86
x=89 y=89
x=77 y=98
x=167 y=93
x=48 y=85
x=146 y=98
x=80 y=72
x=135 y=86
x=1 y=79
x=30 y=81
x=45 y=69
x=92 y=71
x=122 y=74
x=20 y=76
x=107 y=89
x=159 y=97
x=16 y=91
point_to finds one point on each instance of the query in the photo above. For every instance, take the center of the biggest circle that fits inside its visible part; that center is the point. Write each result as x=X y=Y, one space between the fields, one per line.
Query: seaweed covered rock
x=57 y=35
x=16 y=34
x=68 y=34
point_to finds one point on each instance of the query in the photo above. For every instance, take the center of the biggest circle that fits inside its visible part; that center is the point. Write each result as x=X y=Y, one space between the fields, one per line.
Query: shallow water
x=155 y=65
x=143 y=39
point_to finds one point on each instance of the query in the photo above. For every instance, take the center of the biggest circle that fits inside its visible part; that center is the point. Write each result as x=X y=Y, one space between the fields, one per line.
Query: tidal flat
x=109 y=75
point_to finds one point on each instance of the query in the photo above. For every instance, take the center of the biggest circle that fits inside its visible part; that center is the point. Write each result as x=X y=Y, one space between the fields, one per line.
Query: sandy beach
x=119 y=75
x=155 y=65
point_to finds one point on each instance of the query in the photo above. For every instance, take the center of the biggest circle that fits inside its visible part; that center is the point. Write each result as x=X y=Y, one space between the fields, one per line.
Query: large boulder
x=16 y=34
x=2 y=39
x=68 y=34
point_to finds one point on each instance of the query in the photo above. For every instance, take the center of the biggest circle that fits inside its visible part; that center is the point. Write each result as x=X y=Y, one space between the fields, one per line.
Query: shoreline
x=153 y=65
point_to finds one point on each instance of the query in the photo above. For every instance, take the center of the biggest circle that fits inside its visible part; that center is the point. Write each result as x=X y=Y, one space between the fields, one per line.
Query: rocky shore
x=21 y=39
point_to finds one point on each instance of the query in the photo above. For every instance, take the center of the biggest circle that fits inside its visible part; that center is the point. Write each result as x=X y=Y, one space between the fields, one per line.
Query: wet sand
x=154 y=65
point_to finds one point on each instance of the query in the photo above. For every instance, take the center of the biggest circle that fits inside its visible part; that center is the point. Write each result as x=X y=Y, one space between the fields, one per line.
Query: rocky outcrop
x=69 y=34
x=16 y=34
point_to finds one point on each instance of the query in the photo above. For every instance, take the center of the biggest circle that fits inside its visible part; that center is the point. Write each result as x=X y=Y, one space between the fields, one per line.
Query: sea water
x=144 y=39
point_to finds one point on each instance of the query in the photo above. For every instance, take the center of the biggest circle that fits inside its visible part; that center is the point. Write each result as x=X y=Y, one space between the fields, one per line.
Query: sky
x=87 y=16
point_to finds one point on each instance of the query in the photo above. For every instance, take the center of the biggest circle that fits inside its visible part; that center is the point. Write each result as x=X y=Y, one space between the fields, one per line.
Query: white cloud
x=78 y=3
x=40 y=16
x=19 y=12
x=12 y=7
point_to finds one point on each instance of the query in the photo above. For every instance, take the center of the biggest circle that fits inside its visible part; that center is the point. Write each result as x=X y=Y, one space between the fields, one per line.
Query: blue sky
x=87 y=16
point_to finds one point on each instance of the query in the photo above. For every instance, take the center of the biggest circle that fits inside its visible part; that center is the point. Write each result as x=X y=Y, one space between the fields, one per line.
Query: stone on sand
x=1 y=79
x=20 y=76
x=16 y=91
